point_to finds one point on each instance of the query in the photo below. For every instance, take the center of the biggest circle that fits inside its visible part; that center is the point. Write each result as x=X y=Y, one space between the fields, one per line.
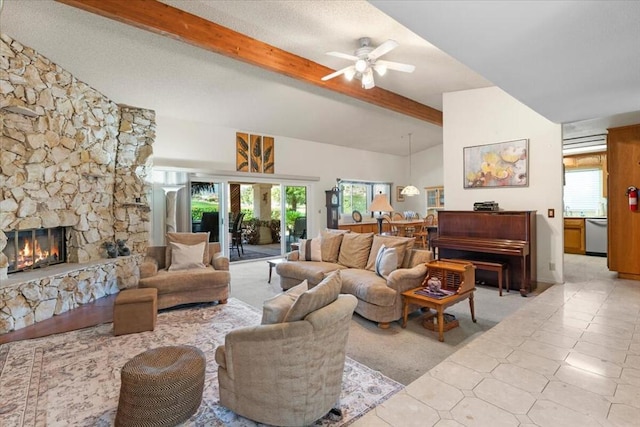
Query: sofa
x=288 y=370
x=204 y=277
x=354 y=254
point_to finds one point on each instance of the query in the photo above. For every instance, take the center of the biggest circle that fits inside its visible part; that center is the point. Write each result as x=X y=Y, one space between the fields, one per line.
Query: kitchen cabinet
x=624 y=225
x=435 y=200
x=574 y=236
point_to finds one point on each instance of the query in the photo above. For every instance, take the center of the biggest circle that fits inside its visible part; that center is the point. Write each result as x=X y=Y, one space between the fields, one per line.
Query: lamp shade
x=380 y=203
x=410 y=190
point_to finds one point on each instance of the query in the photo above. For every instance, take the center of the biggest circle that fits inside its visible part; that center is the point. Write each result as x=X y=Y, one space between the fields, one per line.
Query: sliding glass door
x=295 y=209
x=206 y=200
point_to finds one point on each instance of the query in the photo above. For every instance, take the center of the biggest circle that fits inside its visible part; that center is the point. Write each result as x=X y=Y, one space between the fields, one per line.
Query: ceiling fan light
x=367 y=80
x=380 y=69
x=349 y=74
x=361 y=65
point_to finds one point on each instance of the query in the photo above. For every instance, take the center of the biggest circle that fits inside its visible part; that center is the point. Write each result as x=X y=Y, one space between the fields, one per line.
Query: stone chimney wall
x=75 y=163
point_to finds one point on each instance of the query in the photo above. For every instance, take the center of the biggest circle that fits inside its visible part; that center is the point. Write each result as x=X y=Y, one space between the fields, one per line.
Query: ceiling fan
x=366 y=60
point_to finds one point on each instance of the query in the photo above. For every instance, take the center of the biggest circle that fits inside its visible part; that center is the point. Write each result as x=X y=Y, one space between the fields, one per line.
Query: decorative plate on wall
x=357 y=216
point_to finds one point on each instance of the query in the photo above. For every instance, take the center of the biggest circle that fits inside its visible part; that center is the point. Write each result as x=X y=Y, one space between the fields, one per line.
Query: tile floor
x=570 y=357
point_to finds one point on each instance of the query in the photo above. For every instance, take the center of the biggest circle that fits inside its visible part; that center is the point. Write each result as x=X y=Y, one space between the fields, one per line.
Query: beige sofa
x=288 y=371
x=379 y=299
x=193 y=285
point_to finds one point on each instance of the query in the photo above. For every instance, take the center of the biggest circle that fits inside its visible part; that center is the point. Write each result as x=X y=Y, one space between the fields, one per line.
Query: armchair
x=286 y=374
x=208 y=280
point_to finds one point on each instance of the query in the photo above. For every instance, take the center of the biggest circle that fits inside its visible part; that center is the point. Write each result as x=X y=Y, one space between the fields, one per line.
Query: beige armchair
x=287 y=374
x=207 y=281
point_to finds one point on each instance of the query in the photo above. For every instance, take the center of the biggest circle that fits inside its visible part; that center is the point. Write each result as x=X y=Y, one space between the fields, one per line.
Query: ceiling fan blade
x=343 y=56
x=397 y=66
x=385 y=47
x=337 y=73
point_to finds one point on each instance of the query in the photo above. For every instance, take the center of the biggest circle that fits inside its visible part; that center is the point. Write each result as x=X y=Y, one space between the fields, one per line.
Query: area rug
x=74 y=378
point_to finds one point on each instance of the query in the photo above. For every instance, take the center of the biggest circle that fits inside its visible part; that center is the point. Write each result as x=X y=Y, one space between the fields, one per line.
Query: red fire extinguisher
x=632 y=193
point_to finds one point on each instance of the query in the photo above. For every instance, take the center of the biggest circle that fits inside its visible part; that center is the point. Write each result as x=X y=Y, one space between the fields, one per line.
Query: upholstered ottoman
x=161 y=387
x=135 y=310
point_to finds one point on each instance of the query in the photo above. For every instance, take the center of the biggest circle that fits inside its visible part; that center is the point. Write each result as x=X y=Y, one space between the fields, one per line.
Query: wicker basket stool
x=134 y=311
x=161 y=387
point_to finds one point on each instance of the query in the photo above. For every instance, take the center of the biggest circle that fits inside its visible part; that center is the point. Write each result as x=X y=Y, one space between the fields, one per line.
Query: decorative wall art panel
x=242 y=152
x=268 y=154
x=255 y=164
x=503 y=164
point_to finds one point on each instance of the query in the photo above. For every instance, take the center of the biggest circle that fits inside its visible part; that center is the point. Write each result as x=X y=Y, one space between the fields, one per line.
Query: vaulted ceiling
x=513 y=47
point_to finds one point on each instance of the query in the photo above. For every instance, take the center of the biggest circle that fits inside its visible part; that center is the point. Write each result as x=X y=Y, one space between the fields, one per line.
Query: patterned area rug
x=74 y=378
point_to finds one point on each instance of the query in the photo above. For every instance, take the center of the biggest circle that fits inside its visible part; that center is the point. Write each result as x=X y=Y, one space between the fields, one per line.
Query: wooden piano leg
x=523 y=285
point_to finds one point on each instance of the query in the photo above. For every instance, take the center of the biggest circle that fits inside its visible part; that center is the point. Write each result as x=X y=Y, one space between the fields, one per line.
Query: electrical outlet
x=552 y=266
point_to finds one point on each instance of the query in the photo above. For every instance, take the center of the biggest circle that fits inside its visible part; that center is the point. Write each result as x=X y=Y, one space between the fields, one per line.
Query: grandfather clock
x=333 y=207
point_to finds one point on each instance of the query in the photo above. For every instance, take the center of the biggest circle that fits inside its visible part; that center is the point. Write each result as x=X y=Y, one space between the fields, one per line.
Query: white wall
x=489 y=115
x=427 y=170
x=195 y=145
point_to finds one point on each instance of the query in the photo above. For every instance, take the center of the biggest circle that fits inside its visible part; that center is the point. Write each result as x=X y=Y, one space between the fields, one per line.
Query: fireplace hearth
x=36 y=248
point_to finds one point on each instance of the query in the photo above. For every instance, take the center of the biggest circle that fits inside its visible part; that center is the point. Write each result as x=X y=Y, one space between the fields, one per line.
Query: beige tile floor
x=570 y=357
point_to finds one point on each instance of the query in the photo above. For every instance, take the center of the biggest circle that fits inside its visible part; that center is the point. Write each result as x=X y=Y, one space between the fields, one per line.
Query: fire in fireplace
x=35 y=248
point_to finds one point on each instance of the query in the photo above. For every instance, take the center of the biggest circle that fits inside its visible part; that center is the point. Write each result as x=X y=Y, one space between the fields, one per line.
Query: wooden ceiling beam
x=168 y=21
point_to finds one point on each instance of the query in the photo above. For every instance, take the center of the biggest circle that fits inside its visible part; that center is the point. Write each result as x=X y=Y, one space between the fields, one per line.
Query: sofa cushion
x=315 y=298
x=310 y=249
x=276 y=308
x=386 y=261
x=187 y=239
x=185 y=257
x=312 y=271
x=402 y=245
x=367 y=286
x=331 y=241
x=178 y=281
x=354 y=250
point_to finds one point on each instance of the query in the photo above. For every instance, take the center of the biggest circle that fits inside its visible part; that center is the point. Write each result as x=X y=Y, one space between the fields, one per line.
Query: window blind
x=583 y=190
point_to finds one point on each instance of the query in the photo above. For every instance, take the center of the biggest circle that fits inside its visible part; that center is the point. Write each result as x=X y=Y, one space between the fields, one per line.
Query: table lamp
x=380 y=204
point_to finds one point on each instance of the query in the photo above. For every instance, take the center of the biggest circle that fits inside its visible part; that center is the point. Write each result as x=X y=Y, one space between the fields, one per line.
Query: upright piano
x=498 y=236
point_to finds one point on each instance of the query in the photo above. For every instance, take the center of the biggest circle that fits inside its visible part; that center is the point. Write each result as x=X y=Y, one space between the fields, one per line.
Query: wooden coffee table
x=410 y=297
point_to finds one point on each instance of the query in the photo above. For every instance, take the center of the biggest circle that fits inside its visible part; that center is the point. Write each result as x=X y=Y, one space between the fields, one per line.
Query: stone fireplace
x=35 y=248
x=73 y=160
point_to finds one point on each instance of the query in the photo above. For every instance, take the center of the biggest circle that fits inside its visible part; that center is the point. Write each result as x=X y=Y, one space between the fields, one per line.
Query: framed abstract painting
x=502 y=164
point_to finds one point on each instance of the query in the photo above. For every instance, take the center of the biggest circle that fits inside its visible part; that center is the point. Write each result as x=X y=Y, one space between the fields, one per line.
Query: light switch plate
x=551 y=213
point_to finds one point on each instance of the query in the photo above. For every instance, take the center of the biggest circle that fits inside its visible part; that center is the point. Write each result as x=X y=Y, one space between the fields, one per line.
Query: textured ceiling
x=574 y=62
x=183 y=82
x=180 y=81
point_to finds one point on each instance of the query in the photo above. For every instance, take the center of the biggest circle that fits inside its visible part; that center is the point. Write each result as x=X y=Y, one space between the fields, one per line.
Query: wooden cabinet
x=574 y=236
x=362 y=227
x=435 y=199
x=623 y=157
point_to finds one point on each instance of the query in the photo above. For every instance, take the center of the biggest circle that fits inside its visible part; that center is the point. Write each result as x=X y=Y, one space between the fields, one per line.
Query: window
x=357 y=195
x=583 y=192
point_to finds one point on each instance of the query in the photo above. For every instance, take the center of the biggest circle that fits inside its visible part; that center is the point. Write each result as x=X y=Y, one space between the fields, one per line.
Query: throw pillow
x=400 y=243
x=310 y=249
x=276 y=308
x=386 y=261
x=323 y=294
x=331 y=246
x=187 y=239
x=184 y=257
x=354 y=250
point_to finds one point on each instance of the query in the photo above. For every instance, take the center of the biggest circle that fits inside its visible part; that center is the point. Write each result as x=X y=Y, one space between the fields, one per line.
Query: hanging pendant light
x=410 y=190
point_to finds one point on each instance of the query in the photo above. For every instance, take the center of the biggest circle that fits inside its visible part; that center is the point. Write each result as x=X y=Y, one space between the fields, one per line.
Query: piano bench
x=502 y=268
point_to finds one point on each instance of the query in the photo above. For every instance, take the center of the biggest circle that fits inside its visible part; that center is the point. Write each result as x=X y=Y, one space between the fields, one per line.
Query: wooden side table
x=456 y=277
